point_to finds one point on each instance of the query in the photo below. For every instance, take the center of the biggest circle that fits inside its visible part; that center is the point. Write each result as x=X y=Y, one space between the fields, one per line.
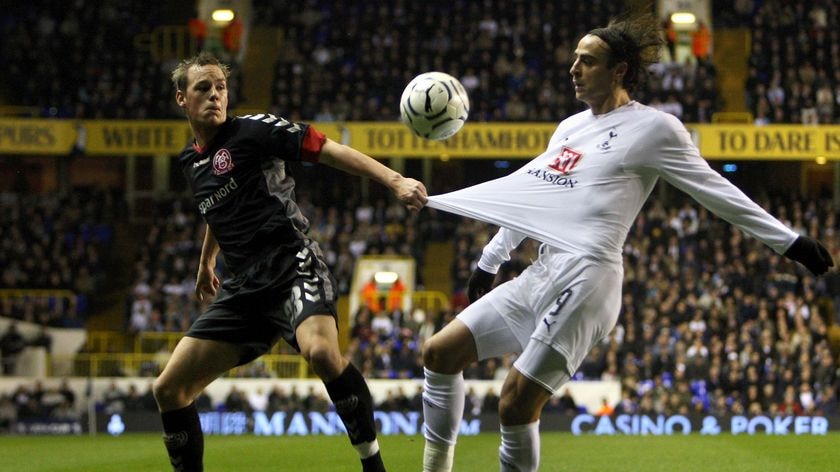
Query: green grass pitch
x=560 y=452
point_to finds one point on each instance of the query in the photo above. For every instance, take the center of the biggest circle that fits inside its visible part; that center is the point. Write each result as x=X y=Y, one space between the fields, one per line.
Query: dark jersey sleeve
x=288 y=140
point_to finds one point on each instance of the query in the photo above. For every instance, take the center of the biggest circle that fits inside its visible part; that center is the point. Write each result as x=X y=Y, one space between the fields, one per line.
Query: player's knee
x=439 y=357
x=430 y=353
x=171 y=394
x=512 y=411
x=325 y=359
x=166 y=393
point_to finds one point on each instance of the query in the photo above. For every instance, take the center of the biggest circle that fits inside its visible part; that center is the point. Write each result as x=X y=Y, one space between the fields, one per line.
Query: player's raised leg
x=193 y=365
x=445 y=355
x=317 y=337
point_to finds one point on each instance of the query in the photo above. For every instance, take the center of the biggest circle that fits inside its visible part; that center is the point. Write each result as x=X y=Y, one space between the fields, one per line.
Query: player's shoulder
x=649 y=115
x=262 y=121
x=650 y=124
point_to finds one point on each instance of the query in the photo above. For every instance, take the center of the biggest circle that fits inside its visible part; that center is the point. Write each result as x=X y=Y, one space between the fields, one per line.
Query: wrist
x=394 y=180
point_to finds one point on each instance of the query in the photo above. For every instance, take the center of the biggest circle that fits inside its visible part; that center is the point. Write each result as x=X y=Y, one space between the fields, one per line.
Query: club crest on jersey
x=605 y=145
x=222 y=162
x=566 y=161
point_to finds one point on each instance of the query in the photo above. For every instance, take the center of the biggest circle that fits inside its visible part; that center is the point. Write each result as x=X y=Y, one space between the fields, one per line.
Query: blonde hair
x=179 y=74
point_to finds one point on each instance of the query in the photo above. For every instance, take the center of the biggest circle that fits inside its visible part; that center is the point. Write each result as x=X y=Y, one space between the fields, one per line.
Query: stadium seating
x=54 y=254
x=513 y=63
x=795 y=64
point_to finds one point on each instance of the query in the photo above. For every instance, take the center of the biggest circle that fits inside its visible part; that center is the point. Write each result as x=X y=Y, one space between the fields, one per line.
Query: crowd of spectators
x=513 y=61
x=513 y=57
x=794 y=65
x=54 y=242
x=37 y=402
x=162 y=295
x=47 y=49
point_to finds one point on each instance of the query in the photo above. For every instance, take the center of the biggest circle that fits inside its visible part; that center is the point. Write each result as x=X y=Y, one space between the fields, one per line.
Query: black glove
x=480 y=283
x=810 y=253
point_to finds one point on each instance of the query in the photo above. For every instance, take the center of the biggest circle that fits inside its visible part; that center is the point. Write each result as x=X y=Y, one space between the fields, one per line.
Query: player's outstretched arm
x=810 y=253
x=410 y=192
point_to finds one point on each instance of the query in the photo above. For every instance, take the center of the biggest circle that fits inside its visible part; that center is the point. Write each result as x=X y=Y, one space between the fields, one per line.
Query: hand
x=412 y=193
x=810 y=253
x=206 y=282
x=480 y=283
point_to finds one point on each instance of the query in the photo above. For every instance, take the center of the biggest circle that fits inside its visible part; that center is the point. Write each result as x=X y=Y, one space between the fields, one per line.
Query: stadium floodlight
x=683 y=18
x=385 y=277
x=222 y=15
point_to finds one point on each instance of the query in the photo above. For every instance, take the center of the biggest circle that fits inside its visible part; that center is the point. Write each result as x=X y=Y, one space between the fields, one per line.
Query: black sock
x=183 y=439
x=354 y=406
x=373 y=463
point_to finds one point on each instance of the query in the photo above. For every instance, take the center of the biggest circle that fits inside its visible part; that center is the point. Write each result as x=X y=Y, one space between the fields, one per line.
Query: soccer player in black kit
x=280 y=285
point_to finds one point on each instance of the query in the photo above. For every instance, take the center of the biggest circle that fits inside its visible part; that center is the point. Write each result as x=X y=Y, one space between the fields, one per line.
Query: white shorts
x=552 y=315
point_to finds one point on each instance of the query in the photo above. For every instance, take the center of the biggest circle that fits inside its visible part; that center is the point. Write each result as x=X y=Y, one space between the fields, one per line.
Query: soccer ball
x=434 y=105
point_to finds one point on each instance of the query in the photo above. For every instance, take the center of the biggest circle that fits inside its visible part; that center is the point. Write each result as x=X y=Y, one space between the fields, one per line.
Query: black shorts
x=269 y=299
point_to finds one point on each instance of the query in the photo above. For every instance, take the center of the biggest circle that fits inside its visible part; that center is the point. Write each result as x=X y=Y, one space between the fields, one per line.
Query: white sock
x=438 y=457
x=520 y=449
x=443 y=408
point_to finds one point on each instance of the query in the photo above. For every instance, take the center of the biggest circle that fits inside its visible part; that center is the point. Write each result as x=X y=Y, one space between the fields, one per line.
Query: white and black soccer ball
x=434 y=105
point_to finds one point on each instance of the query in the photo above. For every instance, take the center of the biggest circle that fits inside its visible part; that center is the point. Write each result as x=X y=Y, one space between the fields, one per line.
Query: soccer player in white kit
x=579 y=198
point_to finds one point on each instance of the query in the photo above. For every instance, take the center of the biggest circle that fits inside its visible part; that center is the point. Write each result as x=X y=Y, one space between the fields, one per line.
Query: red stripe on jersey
x=313 y=141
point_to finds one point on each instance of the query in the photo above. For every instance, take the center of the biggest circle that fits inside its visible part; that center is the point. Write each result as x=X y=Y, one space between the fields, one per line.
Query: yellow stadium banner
x=775 y=142
x=153 y=137
x=528 y=140
x=497 y=140
x=36 y=136
x=475 y=140
x=140 y=137
x=333 y=130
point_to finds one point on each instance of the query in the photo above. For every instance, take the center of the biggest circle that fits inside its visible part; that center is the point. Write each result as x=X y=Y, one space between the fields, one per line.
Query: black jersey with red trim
x=241 y=188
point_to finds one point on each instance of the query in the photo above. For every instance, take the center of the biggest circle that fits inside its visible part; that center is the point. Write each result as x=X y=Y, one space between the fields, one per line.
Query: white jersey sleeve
x=669 y=152
x=497 y=251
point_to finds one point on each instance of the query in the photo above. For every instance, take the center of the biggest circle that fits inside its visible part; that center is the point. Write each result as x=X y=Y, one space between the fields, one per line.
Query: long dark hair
x=634 y=38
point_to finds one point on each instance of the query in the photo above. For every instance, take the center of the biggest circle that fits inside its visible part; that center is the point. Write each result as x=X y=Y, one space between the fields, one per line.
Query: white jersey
x=582 y=195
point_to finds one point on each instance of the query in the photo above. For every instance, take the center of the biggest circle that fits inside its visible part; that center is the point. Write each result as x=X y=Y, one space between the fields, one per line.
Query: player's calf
x=183 y=439
x=354 y=405
x=520 y=449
